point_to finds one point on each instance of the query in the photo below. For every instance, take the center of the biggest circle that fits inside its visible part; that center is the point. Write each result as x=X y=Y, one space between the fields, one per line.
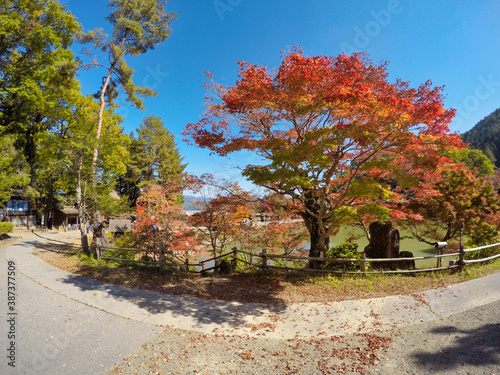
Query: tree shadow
x=475 y=347
x=202 y=311
x=208 y=300
x=59 y=247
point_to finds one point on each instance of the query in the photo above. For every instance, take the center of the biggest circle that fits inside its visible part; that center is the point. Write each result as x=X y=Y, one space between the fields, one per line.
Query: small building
x=65 y=217
x=18 y=210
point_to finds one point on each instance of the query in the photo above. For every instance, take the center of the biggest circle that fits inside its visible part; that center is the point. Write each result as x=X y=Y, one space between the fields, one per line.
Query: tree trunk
x=48 y=208
x=102 y=104
x=384 y=243
x=80 y=204
x=319 y=244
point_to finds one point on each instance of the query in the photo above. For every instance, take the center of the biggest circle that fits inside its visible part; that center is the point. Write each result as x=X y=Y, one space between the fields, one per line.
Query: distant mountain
x=189 y=203
x=485 y=136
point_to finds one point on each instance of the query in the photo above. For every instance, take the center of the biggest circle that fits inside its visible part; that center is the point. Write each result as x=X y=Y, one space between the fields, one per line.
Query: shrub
x=123 y=254
x=6 y=228
x=345 y=250
x=89 y=259
x=124 y=240
x=488 y=234
x=482 y=254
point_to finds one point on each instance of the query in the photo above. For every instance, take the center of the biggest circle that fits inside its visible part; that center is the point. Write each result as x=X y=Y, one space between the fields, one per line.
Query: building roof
x=68 y=210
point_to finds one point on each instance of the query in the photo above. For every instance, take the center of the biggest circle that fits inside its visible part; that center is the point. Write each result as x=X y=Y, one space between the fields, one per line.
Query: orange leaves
x=224 y=206
x=161 y=205
x=328 y=127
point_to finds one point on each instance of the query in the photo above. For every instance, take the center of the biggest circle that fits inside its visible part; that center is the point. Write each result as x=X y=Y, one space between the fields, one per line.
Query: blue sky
x=451 y=42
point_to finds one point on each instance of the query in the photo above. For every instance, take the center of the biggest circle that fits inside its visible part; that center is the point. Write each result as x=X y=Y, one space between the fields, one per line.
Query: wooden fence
x=166 y=259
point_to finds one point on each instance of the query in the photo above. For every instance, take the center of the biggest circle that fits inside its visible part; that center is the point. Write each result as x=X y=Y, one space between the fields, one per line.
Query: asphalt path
x=46 y=332
x=465 y=343
x=54 y=322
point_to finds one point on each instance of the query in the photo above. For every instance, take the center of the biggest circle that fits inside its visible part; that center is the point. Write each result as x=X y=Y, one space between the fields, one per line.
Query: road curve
x=65 y=323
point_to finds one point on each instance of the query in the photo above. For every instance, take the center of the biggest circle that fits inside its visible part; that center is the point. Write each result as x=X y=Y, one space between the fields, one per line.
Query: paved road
x=466 y=343
x=66 y=324
x=53 y=333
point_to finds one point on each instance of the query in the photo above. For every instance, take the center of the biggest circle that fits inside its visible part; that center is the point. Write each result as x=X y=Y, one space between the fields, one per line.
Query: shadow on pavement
x=477 y=347
x=59 y=247
x=205 y=300
x=50 y=239
x=203 y=311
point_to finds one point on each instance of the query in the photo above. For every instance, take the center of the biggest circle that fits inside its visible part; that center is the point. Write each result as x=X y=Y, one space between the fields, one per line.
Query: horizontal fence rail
x=167 y=258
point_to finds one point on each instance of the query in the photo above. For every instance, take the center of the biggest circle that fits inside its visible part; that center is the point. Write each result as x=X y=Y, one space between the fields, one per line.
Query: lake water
x=419 y=249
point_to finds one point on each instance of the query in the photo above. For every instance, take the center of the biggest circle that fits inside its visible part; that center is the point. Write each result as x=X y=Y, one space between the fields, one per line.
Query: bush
x=482 y=254
x=124 y=240
x=123 y=254
x=345 y=250
x=6 y=228
x=89 y=259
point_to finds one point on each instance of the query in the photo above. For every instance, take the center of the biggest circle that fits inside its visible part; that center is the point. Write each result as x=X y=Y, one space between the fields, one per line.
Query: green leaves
x=154 y=159
x=138 y=26
x=13 y=173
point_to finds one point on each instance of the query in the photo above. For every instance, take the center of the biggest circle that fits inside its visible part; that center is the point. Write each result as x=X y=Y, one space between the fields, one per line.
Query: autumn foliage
x=462 y=200
x=332 y=131
x=161 y=205
x=222 y=210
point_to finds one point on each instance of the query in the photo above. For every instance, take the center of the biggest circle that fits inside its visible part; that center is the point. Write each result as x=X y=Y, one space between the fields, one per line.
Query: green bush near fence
x=345 y=250
x=125 y=240
x=6 y=228
x=481 y=254
x=123 y=254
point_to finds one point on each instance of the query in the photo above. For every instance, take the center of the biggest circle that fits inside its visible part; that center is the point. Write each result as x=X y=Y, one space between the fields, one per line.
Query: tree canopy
x=37 y=68
x=329 y=130
x=138 y=26
x=157 y=156
x=154 y=159
x=12 y=168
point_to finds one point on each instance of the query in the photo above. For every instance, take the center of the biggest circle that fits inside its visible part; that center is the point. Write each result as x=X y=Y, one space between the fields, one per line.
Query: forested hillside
x=485 y=136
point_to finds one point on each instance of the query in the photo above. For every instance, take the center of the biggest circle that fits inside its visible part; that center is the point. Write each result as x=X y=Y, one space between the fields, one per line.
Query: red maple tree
x=329 y=130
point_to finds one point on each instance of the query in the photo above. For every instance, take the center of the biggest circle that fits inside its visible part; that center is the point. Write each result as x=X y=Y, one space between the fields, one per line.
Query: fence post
x=264 y=258
x=162 y=256
x=187 y=263
x=461 y=256
x=363 y=262
x=235 y=258
x=98 y=248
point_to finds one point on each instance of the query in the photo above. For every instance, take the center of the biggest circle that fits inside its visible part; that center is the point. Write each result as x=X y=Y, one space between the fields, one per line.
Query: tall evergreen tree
x=157 y=157
x=154 y=159
x=138 y=26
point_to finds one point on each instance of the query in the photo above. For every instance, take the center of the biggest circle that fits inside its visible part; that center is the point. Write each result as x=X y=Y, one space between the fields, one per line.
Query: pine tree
x=155 y=159
x=138 y=26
